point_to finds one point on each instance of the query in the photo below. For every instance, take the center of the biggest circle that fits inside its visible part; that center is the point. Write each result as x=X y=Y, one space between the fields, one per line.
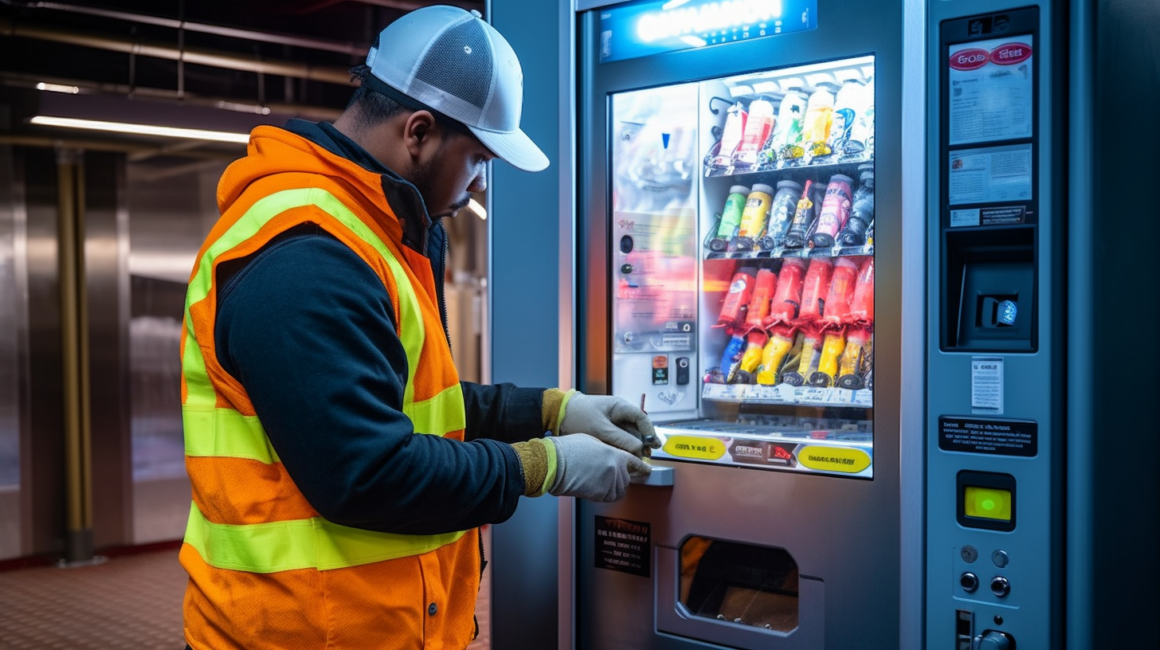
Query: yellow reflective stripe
x=223 y=432
x=441 y=414
x=198 y=389
x=300 y=544
x=411 y=332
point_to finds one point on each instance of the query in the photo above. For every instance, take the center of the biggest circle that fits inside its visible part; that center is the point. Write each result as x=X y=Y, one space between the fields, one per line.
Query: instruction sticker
x=623 y=545
x=996 y=437
x=987 y=385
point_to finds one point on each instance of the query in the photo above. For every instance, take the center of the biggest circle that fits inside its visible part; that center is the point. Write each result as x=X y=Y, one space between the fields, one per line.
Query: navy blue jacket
x=307 y=328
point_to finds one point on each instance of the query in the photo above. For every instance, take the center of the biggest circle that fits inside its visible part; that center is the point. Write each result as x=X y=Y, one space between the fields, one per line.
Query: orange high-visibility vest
x=266 y=571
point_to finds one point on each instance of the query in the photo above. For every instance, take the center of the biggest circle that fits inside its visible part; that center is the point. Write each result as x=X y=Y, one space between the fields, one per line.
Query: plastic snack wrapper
x=787 y=297
x=854 y=358
x=742 y=372
x=758 y=309
x=814 y=289
x=730 y=361
x=774 y=353
x=841 y=291
x=862 y=304
x=736 y=301
x=832 y=347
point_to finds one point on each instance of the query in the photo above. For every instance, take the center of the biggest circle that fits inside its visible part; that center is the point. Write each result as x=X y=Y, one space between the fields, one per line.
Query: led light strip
x=142 y=129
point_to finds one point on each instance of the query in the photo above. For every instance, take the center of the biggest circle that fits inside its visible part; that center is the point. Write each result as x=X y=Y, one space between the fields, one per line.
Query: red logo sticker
x=971 y=59
x=1010 y=53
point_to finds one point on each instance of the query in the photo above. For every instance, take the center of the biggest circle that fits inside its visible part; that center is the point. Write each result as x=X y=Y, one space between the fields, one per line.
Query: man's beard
x=423 y=177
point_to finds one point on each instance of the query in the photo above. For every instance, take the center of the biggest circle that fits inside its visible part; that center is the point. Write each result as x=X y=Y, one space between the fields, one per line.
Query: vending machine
x=738 y=273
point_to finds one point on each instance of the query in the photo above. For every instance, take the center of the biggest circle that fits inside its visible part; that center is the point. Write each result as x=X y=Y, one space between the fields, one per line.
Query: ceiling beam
x=214 y=59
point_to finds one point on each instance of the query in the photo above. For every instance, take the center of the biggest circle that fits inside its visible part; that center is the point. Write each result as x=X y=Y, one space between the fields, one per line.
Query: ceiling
x=211 y=63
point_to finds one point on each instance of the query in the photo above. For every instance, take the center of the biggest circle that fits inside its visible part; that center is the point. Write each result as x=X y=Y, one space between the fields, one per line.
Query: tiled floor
x=130 y=602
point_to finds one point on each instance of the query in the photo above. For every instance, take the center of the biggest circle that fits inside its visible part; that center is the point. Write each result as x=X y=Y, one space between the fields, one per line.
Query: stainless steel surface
x=214 y=59
x=1034 y=379
x=660 y=476
x=585 y=5
x=842 y=532
x=1113 y=501
x=1082 y=356
x=42 y=444
x=168 y=218
x=106 y=248
x=912 y=406
x=525 y=320
x=565 y=48
x=12 y=378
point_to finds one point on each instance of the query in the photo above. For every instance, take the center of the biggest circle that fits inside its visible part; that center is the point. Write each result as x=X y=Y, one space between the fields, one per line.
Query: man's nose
x=479 y=183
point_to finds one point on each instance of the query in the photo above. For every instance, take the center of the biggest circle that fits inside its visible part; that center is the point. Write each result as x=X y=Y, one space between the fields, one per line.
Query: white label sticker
x=987 y=385
x=961 y=218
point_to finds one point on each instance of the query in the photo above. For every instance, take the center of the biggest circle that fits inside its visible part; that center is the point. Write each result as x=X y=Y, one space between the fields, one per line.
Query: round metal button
x=969 y=553
x=431 y=609
x=1000 y=558
x=1000 y=586
x=969 y=582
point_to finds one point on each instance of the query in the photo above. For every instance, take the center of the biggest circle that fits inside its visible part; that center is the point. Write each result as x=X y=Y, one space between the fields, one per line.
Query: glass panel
x=740 y=583
x=11 y=310
x=773 y=365
x=654 y=208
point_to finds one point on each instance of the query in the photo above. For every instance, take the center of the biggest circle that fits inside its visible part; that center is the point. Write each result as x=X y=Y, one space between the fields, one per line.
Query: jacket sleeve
x=503 y=412
x=307 y=328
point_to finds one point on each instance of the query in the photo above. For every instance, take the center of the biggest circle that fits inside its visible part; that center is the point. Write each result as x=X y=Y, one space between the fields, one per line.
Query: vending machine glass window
x=743 y=266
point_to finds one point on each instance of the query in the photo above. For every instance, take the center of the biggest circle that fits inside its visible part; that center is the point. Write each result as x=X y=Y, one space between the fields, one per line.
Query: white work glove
x=589 y=469
x=611 y=420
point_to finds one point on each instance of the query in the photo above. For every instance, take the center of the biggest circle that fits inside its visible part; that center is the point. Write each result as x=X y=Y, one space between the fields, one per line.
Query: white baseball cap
x=448 y=60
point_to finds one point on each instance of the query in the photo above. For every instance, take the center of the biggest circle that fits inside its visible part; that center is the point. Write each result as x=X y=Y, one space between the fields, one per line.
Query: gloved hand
x=589 y=469
x=612 y=420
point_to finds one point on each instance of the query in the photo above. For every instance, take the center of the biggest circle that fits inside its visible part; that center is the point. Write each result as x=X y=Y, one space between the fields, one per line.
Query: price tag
x=812 y=394
x=765 y=393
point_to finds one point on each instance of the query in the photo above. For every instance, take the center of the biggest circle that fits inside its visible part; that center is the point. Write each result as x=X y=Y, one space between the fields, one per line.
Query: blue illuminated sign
x=658 y=26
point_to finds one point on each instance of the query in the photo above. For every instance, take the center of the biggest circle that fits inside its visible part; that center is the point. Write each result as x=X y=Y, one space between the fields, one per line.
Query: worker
x=340 y=468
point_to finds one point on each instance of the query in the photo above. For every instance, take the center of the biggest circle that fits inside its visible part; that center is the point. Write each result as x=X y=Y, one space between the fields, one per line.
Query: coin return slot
x=739 y=583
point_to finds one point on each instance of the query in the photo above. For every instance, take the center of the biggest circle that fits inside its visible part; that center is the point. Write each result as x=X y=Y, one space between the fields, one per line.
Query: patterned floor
x=130 y=602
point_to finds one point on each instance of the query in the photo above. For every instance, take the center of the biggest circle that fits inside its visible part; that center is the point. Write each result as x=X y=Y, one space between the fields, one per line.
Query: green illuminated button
x=987 y=503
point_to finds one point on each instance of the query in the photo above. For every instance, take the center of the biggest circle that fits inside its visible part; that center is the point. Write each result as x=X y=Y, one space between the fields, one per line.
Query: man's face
x=448 y=170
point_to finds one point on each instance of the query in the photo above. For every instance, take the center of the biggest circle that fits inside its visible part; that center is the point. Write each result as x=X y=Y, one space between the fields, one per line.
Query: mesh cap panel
x=460 y=62
x=455 y=63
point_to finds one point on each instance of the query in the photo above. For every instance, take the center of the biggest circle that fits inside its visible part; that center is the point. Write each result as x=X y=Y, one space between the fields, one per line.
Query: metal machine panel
x=12 y=333
x=995 y=321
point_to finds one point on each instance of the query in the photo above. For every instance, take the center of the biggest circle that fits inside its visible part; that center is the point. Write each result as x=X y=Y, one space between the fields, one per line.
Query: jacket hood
x=273 y=150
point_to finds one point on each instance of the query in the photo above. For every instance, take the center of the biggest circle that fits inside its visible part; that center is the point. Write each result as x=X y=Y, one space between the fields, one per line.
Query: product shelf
x=782 y=253
x=786 y=394
x=830 y=163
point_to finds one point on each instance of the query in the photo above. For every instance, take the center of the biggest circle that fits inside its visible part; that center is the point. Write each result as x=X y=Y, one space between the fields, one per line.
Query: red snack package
x=862 y=305
x=762 y=294
x=787 y=297
x=841 y=291
x=817 y=282
x=740 y=291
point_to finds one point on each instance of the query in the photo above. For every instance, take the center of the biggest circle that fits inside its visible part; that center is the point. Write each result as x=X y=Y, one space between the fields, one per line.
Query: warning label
x=997 y=437
x=623 y=545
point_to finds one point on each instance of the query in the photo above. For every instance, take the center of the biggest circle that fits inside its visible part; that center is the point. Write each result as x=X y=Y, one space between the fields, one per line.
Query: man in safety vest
x=340 y=469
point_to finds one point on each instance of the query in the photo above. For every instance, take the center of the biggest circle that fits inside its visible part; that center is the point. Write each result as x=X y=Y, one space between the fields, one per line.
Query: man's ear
x=419 y=130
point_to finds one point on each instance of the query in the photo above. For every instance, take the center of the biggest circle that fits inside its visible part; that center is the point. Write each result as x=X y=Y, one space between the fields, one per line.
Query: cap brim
x=513 y=147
